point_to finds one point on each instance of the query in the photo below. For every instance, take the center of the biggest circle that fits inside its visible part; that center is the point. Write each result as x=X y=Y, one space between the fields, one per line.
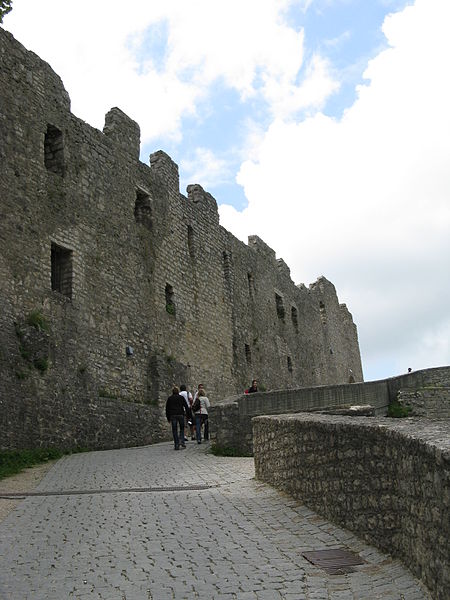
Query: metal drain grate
x=334 y=561
x=13 y=495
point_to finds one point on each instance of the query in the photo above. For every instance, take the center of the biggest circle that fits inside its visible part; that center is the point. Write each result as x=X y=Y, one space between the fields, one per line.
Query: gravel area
x=26 y=481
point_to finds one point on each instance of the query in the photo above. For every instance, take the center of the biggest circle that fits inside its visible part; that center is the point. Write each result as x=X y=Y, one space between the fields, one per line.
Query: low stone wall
x=67 y=424
x=425 y=378
x=429 y=402
x=231 y=419
x=385 y=479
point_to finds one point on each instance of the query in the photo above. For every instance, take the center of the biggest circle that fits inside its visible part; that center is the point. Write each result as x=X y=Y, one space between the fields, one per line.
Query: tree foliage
x=5 y=7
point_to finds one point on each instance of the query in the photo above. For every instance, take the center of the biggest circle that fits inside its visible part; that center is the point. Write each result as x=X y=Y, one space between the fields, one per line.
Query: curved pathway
x=153 y=524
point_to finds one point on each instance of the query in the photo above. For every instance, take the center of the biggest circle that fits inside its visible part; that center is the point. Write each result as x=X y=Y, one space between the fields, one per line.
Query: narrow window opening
x=323 y=312
x=54 y=150
x=289 y=364
x=190 y=241
x=170 y=304
x=294 y=317
x=280 y=307
x=251 y=285
x=61 y=259
x=143 y=209
x=248 y=354
x=226 y=256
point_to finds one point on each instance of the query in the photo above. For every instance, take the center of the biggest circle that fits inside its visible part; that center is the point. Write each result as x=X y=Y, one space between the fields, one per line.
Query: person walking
x=175 y=411
x=200 y=387
x=200 y=409
x=189 y=421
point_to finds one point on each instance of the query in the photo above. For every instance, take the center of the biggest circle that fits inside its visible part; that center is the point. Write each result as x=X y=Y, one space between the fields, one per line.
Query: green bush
x=398 y=411
x=228 y=451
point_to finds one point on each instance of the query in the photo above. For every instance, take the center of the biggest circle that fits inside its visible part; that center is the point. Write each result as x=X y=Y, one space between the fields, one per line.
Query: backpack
x=196 y=405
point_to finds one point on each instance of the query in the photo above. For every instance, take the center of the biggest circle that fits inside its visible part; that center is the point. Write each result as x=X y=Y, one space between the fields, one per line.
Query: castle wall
x=114 y=285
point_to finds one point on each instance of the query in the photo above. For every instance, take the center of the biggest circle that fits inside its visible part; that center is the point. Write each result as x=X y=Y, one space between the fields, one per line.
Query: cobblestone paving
x=237 y=539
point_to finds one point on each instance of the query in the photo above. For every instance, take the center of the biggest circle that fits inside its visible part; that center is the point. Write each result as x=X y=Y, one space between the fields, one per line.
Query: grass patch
x=105 y=393
x=170 y=308
x=398 y=411
x=228 y=451
x=41 y=364
x=37 y=320
x=15 y=461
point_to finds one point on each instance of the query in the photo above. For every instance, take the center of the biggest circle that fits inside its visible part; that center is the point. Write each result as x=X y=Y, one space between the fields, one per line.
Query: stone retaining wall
x=384 y=479
x=67 y=424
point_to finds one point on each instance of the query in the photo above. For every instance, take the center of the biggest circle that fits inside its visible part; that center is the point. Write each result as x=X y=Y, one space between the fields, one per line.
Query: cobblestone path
x=153 y=524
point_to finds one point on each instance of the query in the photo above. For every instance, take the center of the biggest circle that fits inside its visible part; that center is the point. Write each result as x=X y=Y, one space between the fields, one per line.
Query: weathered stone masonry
x=425 y=391
x=385 y=479
x=132 y=286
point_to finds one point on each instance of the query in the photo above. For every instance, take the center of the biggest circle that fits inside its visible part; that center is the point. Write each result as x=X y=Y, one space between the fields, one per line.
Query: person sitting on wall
x=253 y=388
x=175 y=411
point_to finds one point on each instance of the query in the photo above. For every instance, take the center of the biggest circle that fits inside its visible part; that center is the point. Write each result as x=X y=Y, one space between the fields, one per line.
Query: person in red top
x=253 y=388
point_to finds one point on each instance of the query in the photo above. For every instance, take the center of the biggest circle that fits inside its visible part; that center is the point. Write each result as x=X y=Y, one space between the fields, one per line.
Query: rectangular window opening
x=227 y=268
x=143 y=209
x=294 y=317
x=248 y=354
x=190 y=240
x=54 y=150
x=170 y=303
x=62 y=271
x=280 y=307
x=251 y=285
x=289 y=364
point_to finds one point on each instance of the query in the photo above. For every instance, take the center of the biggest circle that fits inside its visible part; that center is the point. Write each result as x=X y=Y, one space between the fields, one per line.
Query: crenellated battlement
x=123 y=131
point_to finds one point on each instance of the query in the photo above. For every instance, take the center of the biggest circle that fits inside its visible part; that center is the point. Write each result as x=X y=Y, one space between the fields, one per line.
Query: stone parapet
x=430 y=403
x=385 y=479
x=231 y=423
x=426 y=391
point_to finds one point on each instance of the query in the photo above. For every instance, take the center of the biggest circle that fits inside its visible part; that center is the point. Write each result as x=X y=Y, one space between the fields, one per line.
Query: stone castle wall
x=384 y=479
x=114 y=285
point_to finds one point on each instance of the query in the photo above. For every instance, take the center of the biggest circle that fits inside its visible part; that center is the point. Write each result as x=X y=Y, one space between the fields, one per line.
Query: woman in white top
x=201 y=416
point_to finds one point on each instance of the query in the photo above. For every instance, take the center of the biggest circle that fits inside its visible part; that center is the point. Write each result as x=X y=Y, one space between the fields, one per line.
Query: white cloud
x=205 y=168
x=365 y=200
x=100 y=51
x=286 y=98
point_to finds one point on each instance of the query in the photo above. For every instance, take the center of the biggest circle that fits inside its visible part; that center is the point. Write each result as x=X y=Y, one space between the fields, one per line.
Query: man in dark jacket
x=175 y=409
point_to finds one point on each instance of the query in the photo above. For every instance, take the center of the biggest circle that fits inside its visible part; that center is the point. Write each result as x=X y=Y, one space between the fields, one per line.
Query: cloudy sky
x=323 y=126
